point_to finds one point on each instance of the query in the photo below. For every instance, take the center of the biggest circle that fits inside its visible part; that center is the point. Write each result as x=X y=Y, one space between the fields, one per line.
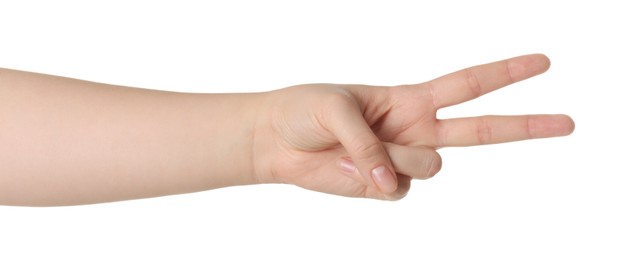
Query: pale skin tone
x=67 y=142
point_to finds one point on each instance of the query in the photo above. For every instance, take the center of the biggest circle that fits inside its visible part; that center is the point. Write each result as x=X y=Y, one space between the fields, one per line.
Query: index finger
x=470 y=83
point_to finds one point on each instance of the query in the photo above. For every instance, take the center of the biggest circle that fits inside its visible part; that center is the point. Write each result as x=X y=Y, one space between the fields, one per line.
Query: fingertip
x=544 y=126
x=527 y=66
x=545 y=62
x=560 y=125
x=404 y=185
x=435 y=164
x=566 y=124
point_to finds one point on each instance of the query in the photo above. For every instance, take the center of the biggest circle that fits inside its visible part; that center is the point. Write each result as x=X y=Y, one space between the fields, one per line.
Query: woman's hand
x=366 y=141
x=67 y=141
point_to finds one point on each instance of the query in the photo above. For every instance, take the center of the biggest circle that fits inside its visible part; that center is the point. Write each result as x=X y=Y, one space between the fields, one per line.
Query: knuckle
x=530 y=127
x=473 y=83
x=509 y=72
x=483 y=131
x=442 y=135
x=432 y=94
x=366 y=147
x=339 y=96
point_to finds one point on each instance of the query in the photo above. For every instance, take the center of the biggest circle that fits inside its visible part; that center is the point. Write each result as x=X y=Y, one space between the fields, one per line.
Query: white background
x=545 y=199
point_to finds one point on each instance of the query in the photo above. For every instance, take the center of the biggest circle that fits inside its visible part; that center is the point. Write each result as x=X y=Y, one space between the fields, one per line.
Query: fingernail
x=384 y=179
x=347 y=165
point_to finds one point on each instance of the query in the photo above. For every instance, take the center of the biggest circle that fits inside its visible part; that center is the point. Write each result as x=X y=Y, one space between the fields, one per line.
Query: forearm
x=65 y=141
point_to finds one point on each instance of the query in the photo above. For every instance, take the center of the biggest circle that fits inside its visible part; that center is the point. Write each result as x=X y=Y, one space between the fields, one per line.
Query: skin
x=68 y=142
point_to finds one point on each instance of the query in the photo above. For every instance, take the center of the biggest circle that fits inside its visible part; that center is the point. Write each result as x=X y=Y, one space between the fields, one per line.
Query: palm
x=308 y=142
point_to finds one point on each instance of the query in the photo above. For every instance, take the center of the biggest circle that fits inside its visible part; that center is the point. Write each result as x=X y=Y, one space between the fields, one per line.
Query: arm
x=65 y=141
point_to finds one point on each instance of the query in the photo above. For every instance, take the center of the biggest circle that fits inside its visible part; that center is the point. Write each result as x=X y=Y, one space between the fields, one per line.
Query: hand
x=367 y=141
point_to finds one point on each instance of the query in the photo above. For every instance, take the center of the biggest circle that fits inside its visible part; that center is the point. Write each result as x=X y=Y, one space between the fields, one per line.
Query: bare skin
x=67 y=142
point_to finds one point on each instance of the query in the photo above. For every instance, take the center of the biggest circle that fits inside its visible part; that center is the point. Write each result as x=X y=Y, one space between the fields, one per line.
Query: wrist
x=228 y=122
x=263 y=137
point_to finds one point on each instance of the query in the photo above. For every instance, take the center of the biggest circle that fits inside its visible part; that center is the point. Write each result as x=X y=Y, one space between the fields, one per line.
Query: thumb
x=346 y=122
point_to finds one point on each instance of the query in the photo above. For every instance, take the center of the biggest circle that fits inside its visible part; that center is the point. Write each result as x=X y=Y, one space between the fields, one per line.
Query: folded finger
x=415 y=162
